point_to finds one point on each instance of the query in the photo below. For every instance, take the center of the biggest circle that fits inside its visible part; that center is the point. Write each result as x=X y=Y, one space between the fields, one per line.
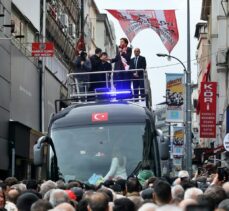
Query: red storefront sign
x=208 y=109
x=42 y=49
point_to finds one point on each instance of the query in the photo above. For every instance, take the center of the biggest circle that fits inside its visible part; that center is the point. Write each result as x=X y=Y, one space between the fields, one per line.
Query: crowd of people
x=143 y=193
x=100 y=62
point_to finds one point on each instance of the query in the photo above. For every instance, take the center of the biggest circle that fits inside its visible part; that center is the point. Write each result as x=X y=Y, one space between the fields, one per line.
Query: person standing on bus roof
x=104 y=66
x=82 y=65
x=95 y=65
x=122 y=62
x=138 y=62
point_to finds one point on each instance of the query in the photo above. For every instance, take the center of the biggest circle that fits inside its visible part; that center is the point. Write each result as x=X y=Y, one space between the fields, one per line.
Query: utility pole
x=188 y=112
x=43 y=76
x=82 y=18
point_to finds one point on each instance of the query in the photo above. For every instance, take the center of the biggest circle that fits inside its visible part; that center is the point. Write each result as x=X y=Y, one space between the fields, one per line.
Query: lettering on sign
x=208 y=109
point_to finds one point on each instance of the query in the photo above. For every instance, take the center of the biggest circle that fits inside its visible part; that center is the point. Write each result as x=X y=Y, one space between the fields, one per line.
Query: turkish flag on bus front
x=99 y=117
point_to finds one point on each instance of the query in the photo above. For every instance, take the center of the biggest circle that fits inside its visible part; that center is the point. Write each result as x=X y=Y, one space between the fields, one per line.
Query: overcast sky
x=150 y=44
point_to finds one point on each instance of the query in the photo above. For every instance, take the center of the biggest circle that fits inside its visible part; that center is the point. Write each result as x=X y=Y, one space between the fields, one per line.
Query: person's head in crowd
x=73 y=184
x=78 y=192
x=108 y=183
x=25 y=201
x=206 y=201
x=186 y=184
x=9 y=181
x=3 y=186
x=226 y=188
x=183 y=175
x=192 y=193
x=162 y=193
x=217 y=194
x=150 y=182
x=82 y=205
x=2 y=199
x=107 y=192
x=61 y=184
x=224 y=205
x=12 y=195
x=123 y=42
x=88 y=194
x=46 y=186
x=177 y=193
x=147 y=193
x=148 y=207
x=98 y=52
x=117 y=189
x=186 y=202
x=133 y=185
x=64 y=207
x=123 y=204
x=104 y=56
x=122 y=184
x=98 y=202
x=20 y=187
x=32 y=185
x=41 y=205
x=58 y=196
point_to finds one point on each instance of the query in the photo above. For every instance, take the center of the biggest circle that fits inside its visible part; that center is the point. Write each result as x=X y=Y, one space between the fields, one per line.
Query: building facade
x=212 y=55
x=30 y=85
x=5 y=81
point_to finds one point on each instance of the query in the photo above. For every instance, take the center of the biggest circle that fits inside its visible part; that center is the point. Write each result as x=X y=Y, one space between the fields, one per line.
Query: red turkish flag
x=80 y=45
x=163 y=22
x=99 y=117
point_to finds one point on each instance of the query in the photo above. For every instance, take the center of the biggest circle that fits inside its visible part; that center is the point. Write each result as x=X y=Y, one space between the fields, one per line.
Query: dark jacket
x=79 y=68
x=119 y=65
x=95 y=62
x=118 y=62
x=141 y=64
x=102 y=77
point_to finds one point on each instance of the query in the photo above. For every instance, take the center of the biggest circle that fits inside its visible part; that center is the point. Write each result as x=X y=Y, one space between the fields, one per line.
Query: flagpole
x=188 y=112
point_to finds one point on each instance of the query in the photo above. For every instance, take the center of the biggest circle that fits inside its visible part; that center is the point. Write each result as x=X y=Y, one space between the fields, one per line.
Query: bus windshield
x=95 y=150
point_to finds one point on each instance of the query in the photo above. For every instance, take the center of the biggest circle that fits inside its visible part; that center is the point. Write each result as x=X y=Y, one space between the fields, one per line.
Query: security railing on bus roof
x=87 y=87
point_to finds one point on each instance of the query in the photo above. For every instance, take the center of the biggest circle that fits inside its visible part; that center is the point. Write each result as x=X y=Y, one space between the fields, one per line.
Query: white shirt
x=117 y=170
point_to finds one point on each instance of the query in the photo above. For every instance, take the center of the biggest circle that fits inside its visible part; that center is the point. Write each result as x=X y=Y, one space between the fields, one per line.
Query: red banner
x=42 y=49
x=208 y=109
x=162 y=21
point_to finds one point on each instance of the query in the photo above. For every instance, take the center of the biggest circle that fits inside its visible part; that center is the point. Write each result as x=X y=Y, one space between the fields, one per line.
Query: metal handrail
x=79 y=89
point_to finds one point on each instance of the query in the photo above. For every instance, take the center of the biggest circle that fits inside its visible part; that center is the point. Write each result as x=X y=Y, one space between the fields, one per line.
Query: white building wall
x=219 y=40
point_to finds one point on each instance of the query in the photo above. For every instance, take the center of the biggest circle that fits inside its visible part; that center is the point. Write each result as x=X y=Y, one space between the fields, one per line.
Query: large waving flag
x=162 y=21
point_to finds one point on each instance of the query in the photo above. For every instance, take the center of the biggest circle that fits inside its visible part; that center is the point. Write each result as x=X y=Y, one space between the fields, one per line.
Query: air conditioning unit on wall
x=64 y=20
x=72 y=30
x=221 y=57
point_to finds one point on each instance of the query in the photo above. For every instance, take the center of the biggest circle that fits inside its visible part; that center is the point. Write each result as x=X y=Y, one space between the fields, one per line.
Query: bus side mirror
x=38 y=150
x=163 y=144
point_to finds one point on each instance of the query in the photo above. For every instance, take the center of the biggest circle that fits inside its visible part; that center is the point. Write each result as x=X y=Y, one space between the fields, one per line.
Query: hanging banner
x=163 y=22
x=208 y=109
x=175 y=97
x=178 y=136
x=178 y=141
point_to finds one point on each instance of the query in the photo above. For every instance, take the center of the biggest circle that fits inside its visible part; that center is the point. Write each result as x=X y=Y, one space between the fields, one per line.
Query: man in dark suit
x=138 y=62
x=95 y=64
x=122 y=62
